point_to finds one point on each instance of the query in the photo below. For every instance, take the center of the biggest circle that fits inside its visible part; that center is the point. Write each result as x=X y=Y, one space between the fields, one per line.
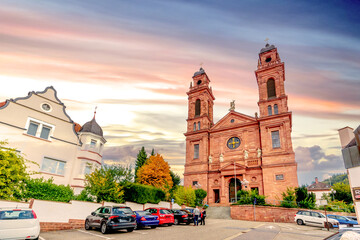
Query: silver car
x=19 y=224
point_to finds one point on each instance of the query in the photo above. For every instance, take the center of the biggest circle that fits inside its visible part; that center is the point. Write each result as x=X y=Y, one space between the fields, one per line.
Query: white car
x=314 y=219
x=19 y=224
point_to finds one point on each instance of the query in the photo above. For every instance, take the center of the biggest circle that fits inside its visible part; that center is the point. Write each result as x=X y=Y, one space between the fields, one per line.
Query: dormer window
x=93 y=143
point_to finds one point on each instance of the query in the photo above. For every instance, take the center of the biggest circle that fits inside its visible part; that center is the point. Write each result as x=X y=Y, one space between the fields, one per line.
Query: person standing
x=203 y=216
x=196 y=216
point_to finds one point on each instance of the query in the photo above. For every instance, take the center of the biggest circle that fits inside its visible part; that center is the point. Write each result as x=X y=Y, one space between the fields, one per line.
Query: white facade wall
x=51 y=211
x=354 y=181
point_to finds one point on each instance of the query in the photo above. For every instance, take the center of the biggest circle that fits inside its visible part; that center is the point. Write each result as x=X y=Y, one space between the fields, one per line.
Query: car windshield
x=183 y=212
x=342 y=218
x=322 y=215
x=16 y=214
x=143 y=213
x=164 y=211
x=119 y=210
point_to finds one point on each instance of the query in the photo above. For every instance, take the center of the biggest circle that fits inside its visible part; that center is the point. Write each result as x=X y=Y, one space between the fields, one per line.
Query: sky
x=134 y=60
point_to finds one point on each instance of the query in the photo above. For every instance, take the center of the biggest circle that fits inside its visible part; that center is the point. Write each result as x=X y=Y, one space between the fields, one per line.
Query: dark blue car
x=343 y=220
x=144 y=218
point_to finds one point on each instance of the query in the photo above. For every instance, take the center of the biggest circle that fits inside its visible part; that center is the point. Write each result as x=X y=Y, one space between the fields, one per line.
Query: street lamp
x=333 y=193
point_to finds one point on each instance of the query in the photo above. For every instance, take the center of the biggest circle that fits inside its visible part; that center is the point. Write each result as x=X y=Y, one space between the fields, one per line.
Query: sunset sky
x=134 y=60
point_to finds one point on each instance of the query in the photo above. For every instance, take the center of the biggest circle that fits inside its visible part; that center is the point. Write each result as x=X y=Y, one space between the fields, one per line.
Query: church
x=241 y=151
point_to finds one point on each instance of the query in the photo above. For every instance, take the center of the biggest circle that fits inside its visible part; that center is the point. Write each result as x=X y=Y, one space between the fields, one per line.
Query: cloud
x=314 y=159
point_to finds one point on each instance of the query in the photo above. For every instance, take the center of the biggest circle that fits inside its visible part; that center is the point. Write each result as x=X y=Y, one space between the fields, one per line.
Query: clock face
x=233 y=143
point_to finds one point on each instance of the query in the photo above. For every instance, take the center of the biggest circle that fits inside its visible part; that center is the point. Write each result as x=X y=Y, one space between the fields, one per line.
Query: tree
x=337 y=178
x=152 y=152
x=185 y=196
x=289 y=198
x=305 y=199
x=155 y=172
x=200 y=195
x=140 y=160
x=343 y=192
x=175 y=178
x=13 y=173
x=106 y=183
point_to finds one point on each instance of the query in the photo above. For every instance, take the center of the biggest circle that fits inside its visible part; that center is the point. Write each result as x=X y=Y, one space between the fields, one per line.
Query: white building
x=38 y=126
x=350 y=144
x=319 y=189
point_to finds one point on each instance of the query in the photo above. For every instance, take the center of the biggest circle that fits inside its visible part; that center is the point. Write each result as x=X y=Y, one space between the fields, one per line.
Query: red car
x=164 y=214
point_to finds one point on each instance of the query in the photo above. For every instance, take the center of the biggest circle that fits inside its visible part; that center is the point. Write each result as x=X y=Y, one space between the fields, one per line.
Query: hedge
x=139 y=193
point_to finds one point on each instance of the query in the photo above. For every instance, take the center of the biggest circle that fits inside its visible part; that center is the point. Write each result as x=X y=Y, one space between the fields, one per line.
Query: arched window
x=271 y=88
x=197 y=107
x=198 y=125
x=276 y=110
x=269 y=110
x=194 y=126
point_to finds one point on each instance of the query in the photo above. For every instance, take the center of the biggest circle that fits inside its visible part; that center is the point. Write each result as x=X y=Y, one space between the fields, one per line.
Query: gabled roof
x=239 y=118
x=319 y=186
x=230 y=166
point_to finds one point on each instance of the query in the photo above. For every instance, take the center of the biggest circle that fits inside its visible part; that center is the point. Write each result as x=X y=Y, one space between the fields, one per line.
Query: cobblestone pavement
x=214 y=229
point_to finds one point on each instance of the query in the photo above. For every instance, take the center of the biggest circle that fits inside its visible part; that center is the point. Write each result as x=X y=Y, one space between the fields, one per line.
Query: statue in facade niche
x=221 y=157
x=210 y=159
x=232 y=105
x=246 y=154
x=258 y=152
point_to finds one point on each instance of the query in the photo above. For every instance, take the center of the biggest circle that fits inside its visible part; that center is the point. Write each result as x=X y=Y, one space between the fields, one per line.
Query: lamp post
x=235 y=182
x=332 y=193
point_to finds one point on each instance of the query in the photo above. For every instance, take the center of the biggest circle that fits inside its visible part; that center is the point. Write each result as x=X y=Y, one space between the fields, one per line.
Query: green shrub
x=200 y=195
x=41 y=189
x=248 y=197
x=84 y=196
x=338 y=206
x=139 y=193
x=289 y=198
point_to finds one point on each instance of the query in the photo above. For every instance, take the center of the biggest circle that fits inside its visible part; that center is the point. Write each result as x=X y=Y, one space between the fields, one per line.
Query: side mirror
x=93 y=213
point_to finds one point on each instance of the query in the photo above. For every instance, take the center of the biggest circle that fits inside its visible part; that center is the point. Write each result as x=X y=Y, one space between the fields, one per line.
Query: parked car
x=19 y=223
x=343 y=220
x=345 y=233
x=164 y=214
x=314 y=219
x=181 y=217
x=354 y=218
x=145 y=218
x=111 y=218
x=190 y=215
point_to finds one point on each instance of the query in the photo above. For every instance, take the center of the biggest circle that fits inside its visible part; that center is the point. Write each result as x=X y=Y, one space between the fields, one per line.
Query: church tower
x=199 y=122
x=275 y=121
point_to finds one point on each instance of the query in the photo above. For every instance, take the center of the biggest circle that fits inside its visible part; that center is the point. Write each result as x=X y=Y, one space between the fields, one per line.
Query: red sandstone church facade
x=257 y=150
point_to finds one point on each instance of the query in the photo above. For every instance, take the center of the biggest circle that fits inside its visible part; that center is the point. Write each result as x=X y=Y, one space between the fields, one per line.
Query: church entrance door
x=216 y=196
x=232 y=189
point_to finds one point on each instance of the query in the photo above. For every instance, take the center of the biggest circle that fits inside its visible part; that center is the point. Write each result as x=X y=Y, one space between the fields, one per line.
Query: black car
x=182 y=216
x=111 y=218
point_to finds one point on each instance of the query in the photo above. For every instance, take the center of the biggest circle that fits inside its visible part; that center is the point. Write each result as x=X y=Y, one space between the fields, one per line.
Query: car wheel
x=136 y=226
x=87 y=225
x=300 y=222
x=103 y=228
x=153 y=227
x=130 y=229
x=329 y=225
x=170 y=224
x=176 y=221
x=188 y=223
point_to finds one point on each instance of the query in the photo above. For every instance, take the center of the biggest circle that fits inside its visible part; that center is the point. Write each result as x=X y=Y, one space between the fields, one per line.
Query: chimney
x=346 y=135
x=316 y=180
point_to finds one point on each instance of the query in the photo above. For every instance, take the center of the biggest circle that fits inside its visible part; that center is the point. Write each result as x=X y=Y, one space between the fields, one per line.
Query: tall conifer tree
x=140 y=160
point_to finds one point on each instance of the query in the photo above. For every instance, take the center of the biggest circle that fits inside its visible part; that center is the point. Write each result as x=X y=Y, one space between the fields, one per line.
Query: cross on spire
x=266 y=40
x=95 y=112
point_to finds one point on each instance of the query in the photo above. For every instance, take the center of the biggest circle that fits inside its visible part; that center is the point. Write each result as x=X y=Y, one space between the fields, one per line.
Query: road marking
x=93 y=234
x=270 y=227
x=140 y=232
x=41 y=238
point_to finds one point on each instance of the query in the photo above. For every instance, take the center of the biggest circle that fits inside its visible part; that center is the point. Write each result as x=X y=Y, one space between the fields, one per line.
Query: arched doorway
x=232 y=188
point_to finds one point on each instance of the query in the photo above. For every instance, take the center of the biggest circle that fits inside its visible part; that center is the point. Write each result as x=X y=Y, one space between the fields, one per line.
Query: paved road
x=214 y=229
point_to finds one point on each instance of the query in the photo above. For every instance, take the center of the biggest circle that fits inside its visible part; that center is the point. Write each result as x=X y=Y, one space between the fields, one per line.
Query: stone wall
x=270 y=214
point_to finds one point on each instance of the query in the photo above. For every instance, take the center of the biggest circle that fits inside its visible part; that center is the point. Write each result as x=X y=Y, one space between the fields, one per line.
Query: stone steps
x=218 y=212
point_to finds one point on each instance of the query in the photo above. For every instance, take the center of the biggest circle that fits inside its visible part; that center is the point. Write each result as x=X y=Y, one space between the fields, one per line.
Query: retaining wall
x=270 y=214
